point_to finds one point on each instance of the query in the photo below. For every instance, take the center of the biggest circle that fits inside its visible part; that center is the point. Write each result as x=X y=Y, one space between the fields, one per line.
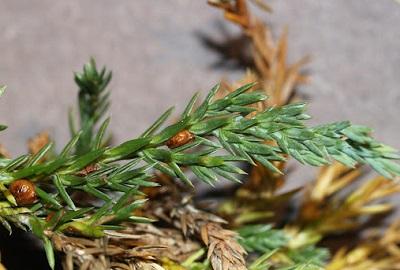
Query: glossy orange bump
x=181 y=138
x=23 y=192
x=89 y=169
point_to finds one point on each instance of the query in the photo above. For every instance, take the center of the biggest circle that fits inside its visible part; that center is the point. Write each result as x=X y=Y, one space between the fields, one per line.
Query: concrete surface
x=158 y=60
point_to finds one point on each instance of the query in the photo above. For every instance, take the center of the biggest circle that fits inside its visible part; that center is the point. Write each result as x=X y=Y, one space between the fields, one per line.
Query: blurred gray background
x=158 y=59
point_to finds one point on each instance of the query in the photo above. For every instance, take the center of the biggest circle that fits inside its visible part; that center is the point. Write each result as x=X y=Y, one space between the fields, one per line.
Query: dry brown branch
x=328 y=211
x=36 y=143
x=276 y=78
x=4 y=152
x=224 y=252
x=139 y=246
x=380 y=252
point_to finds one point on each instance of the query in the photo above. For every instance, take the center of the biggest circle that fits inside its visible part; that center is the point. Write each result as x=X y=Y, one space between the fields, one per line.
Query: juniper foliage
x=122 y=170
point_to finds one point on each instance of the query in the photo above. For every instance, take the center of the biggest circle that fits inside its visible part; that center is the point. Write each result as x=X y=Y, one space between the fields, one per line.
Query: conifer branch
x=223 y=119
x=192 y=142
x=263 y=240
x=93 y=103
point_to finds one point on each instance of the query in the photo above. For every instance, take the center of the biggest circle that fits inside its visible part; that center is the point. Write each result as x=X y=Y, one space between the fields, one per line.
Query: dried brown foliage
x=279 y=81
x=139 y=246
x=224 y=252
x=328 y=211
x=36 y=143
x=377 y=252
x=4 y=152
x=277 y=78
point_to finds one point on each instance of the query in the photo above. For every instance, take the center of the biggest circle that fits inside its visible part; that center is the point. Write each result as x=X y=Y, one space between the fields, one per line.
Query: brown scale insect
x=23 y=192
x=181 y=138
x=88 y=169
